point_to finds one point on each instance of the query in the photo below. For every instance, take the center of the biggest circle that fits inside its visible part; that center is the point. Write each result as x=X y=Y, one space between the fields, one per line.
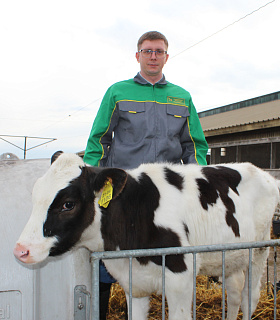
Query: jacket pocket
x=176 y=119
x=132 y=122
x=177 y=111
x=131 y=107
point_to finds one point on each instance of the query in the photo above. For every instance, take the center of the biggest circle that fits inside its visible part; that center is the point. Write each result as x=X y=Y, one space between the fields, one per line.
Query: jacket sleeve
x=195 y=147
x=100 y=137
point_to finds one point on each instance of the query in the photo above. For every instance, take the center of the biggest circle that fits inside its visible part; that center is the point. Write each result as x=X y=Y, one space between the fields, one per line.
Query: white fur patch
x=66 y=168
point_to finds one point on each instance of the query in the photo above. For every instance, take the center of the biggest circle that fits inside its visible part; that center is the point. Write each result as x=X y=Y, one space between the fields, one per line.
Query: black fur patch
x=174 y=178
x=218 y=182
x=68 y=226
x=128 y=223
x=186 y=230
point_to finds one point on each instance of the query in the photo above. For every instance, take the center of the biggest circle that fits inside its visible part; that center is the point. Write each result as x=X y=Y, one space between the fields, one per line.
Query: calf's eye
x=67 y=206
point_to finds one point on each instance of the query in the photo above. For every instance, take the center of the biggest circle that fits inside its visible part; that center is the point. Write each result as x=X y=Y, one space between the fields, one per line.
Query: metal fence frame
x=130 y=254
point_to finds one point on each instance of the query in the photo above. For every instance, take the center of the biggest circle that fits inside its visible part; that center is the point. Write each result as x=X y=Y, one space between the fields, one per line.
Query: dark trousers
x=104 y=295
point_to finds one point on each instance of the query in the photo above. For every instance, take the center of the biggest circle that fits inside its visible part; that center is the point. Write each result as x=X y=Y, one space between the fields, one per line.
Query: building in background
x=245 y=131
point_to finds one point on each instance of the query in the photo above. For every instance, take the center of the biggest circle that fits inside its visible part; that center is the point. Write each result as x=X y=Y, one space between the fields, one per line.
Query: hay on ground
x=208 y=303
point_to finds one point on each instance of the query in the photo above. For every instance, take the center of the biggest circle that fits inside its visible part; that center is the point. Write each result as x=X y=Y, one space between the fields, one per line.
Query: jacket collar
x=139 y=79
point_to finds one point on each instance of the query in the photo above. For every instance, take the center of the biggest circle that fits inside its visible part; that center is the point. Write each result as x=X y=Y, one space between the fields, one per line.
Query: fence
x=194 y=250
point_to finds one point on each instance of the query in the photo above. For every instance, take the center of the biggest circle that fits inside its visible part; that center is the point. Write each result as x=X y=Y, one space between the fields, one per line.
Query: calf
x=155 y=206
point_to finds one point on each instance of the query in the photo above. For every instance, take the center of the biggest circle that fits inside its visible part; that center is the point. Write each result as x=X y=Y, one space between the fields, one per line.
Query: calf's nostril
x=21 y=252
x=24 y=254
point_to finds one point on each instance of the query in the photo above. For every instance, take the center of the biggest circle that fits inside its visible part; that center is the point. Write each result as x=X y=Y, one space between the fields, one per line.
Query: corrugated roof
x=242 y=116
x=242 y=104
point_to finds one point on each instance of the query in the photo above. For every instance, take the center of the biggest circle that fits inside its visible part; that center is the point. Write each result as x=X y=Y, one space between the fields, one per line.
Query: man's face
x=152 y=66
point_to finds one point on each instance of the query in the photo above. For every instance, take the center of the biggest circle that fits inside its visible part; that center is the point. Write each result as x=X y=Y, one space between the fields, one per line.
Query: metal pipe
x=95 y=288
x=163 y=287
x=184 y=250
x=194 y=286
x=250 y=283
x=275 y=282
x=130 y=290
x=223 y=287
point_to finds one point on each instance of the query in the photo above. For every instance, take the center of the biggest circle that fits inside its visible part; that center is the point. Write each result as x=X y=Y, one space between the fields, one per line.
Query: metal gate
x=130 y=254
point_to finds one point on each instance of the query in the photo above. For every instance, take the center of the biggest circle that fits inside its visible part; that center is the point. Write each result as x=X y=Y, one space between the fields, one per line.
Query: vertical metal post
x=238 y=153
x=250 y=283
x=271 y=156
x=194 y=286
x=223 y=286
x=267 y=277
x=95 y=290
x=25 y=147
x=163 y=287
x=275 y=281
x=130 y=290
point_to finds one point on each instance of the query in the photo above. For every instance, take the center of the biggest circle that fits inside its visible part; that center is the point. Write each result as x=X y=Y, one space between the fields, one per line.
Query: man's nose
x=153 y=55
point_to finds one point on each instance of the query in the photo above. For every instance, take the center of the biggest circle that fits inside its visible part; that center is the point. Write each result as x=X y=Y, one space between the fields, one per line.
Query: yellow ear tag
x=107 y=195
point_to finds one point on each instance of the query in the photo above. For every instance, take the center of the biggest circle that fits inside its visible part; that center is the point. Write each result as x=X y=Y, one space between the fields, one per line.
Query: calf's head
x=63 y=207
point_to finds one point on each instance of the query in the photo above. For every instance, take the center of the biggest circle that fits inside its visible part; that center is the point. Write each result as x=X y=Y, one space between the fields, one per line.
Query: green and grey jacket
x=138 y=122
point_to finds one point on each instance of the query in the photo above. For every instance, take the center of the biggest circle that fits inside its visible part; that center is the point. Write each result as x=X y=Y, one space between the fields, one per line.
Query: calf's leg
x=140 y=307
x=179 y=292
x=234 y=286
x=259 y=258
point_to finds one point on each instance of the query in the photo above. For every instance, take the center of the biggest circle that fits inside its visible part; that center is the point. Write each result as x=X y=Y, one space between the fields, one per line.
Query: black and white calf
x=156 y=206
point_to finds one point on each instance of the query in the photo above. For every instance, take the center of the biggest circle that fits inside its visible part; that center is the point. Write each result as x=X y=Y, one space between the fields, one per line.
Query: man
x=146 y=119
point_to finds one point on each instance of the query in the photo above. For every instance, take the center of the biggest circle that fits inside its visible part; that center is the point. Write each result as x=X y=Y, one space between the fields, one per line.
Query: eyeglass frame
x=155 y=51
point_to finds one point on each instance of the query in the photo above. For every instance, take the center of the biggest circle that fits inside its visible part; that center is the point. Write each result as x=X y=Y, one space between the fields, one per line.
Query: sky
x=58 y=58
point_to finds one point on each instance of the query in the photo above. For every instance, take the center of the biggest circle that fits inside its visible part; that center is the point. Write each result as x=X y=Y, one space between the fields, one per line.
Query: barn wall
x=263 y=155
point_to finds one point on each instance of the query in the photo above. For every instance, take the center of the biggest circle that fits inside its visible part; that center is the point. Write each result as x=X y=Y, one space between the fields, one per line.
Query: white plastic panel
x=10 y=305
x=47 y=290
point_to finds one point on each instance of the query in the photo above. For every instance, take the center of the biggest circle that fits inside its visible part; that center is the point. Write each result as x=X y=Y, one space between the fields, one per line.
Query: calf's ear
x=55 y=156
x=117 y=177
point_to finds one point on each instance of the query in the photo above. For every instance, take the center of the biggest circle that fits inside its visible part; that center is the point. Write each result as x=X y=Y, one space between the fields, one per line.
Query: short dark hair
x=151 y=35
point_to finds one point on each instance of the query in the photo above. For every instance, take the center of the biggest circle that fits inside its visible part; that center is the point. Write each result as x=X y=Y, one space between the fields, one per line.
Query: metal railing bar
x=194 y=286
x=223 y=287
x=183 y=250
x=267 y=277
x=130 y=290
x=163 y=287
x=275 y=281
x=95 y=290
x=250 y=283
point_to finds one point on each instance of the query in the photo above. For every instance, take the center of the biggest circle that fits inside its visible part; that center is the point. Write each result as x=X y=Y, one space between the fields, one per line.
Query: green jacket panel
x=138 y=122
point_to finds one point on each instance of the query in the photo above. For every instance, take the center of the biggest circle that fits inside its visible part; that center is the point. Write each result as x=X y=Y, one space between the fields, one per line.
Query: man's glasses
x=147 y=53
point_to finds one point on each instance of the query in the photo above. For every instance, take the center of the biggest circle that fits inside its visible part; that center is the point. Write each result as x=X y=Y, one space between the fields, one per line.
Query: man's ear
x=166 y=58
x=117 y=177
x=137 y=56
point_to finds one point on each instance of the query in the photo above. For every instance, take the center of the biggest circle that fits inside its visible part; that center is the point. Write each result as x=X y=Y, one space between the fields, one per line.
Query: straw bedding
x=208 y=301
x=208 y=304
